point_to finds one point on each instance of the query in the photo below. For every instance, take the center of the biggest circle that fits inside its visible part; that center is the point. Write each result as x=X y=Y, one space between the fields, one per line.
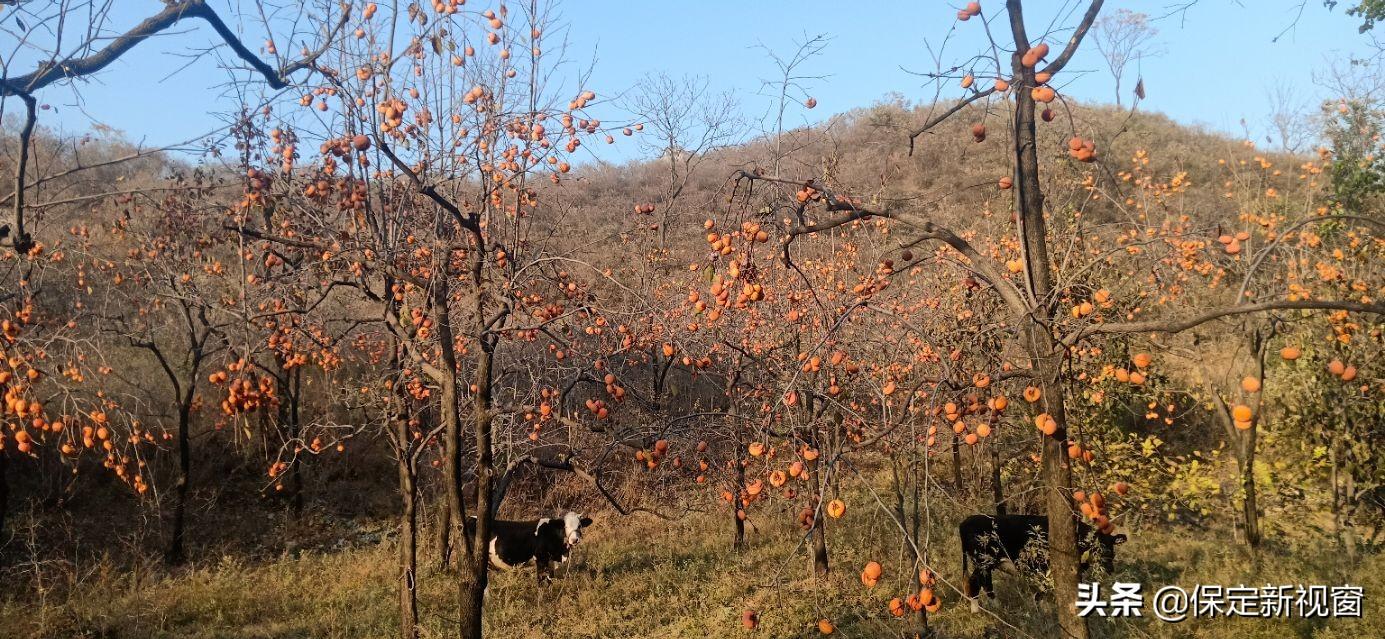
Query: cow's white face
x=572 y=528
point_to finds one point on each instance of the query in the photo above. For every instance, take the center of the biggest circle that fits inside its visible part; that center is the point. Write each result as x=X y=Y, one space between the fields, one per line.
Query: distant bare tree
x=1123 y=37
x=688 y=121
x=1288 y=117
x=1353 y=80
x=789 y=84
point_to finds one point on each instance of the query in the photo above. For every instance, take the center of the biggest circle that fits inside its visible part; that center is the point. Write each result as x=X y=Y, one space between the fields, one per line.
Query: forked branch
x=564 y=461
x=849 y=212
x=1075 y=41
x=172 y=13
x=941 y=117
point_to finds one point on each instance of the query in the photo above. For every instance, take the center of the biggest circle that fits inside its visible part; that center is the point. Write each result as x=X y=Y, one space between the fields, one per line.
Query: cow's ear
x=1118 y=539
x=585 y=521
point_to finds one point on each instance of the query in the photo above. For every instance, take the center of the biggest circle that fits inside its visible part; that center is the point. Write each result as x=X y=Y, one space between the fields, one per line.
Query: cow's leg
x=543 y=571
x=975 y=582
x=989 y=583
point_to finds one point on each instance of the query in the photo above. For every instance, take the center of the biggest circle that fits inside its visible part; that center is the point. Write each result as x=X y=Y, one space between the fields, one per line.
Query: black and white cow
x=988 y=541
x=544 y=541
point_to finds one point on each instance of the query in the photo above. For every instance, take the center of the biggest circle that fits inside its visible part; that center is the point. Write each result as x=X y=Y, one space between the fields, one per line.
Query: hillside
x=327 y=572
x=392 y=352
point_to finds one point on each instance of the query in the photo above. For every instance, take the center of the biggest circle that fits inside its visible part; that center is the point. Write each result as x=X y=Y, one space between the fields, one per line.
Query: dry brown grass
x=642 y=577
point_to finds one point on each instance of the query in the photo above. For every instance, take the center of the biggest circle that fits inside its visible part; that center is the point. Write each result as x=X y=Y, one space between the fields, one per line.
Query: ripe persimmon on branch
x=948 y=113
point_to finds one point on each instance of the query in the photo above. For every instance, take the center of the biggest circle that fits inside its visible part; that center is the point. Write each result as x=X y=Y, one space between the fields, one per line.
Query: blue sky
x=1219 y=58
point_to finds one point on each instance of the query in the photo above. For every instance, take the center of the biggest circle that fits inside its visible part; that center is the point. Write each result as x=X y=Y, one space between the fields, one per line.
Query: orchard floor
x=644 y=577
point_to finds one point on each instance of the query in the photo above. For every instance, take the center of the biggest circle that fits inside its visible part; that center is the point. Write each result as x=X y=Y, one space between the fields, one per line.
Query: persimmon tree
x=154 y=302
x=1044 y=336
x=50 y=50
x=392 y=249
x=1352 y=130
x=433 y=210
x=67 y=408
x=57 y=374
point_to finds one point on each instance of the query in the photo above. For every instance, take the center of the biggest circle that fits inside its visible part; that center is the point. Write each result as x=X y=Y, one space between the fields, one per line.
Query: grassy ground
x=642 y=577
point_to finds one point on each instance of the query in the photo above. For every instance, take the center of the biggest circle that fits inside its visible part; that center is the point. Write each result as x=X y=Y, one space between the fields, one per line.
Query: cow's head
x=573 y=523
x=1103 y=551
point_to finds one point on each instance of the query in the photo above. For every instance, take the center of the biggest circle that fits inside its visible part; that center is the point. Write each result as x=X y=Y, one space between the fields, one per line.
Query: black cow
x=544 y=541
x=1022 y=540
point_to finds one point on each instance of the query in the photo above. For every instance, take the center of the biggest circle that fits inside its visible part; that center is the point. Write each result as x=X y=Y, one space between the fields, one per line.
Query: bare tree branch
x=468 y=222
x=984 y=266
x=21 y=241
x=938 y=119
x=1180 y=325
x=564 y=461
x=1076 y=40
x=153 y=25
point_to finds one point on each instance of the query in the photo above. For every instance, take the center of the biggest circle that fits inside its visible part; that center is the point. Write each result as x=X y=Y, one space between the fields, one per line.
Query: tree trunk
x=921 y=617
x=1250 y=513
x=1336 y=492
x=997 y=490
x=1044 y=353
x=728 y=396
x=442 y=518
x=174 y=553
x=1062 y=525
x=451 y=465
x=1350 y=497
x=1248 y=505
x=738 y=542
x=900 y=514
x=472 y=586
x=469 y=589
x=295 y=479
x=473 y=565
x=919 y=485
x=442 y=539
x=819 y=531
x=957 y=463
x=408 y=534
x=4 y=489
